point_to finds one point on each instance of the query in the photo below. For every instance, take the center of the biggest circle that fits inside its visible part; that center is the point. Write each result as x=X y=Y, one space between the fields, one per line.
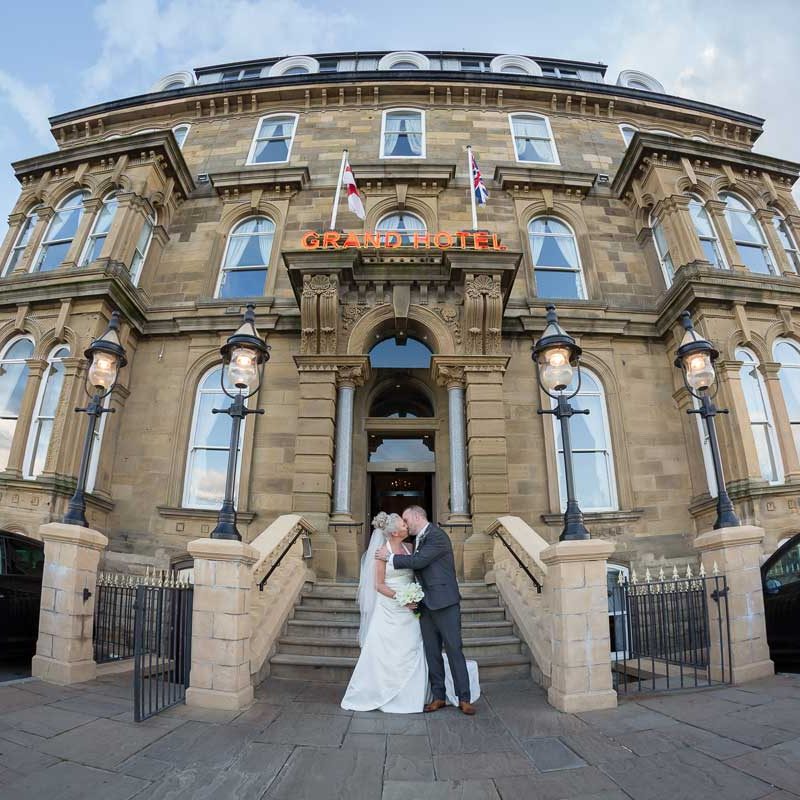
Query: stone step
x=334 y=629
x=328 y=599
x=331 y=669
x=350 y=614
x=474 y=647
x=350 y=590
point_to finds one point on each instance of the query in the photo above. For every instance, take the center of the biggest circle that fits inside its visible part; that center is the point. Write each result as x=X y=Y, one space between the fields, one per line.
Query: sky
x=733 y=53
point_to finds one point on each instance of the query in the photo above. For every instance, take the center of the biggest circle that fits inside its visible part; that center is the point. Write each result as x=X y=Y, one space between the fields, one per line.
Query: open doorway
x=393 y=492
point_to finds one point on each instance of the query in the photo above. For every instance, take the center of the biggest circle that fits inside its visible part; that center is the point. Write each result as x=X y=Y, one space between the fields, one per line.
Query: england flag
x=354 y=202
x=478 y=186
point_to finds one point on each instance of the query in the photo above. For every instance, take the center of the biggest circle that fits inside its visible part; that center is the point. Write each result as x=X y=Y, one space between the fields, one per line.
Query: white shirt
x=417 y=542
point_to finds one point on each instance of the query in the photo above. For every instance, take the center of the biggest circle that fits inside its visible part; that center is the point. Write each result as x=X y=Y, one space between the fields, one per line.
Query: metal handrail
x=306 y=554
x=519 y=561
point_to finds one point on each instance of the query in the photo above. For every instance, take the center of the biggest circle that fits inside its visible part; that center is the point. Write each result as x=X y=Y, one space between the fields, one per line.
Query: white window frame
x=420 y=61
x=36 y=418
x=84 y=195
x=764 y=244
x=198 y=392
x=112 y=195
x=609 y=454
x=423 y=229
x=794 y=424
x=28 y=223
x=527 y=65
x=716 y=239
x=557 y=161
x=705 y=449
x=136 y=274
x=232 y=232
x=655 y=222
x=772 y=435
x=383 y=133
x=792 y=252
x=96 y=448
x=4 y=360
x=254 y=143
x=309 y=64
x=177 y=128
x=626 y=126
x=579 y=270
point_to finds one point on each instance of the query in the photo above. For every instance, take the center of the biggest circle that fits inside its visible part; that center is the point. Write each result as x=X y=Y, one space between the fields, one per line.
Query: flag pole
x=472 y=188
x=338 y=192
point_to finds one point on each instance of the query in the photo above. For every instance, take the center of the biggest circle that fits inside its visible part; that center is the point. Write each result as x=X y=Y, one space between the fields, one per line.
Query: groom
x=440 y=619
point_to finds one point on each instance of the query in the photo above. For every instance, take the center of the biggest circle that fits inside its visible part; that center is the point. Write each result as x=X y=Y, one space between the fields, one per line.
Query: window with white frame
x=99 y=234
x=60 y=233
x=533 y=139
x=592 y=457
x=246 y=260
x=704 y=227
x=44 y=413
x=705 y=446
x=403 y=133
x=627 y=132
x=142 y=246
x=402 y=223
x=760 y=413
x=209 y=440
x=556 y=262
x=748 y=236
x=787 y=241
x=272 y=143
x=96 y=446
x=22 y=240
x=13 y=379
x=180 y=132
x=787 y=353
x=662 y=250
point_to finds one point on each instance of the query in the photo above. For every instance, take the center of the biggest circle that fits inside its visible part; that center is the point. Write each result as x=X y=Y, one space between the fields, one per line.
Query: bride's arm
x=380 y=580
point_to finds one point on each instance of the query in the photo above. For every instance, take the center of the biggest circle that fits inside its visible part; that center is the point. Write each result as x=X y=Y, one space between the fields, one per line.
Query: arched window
x=787 y=353
x=96 y=446
x=787 y=241
x=705 y=445
x=398 y=65
x=246 y=260
x=761 y=423
x=533 y=139
x=13 y=378
x=60 y=233
x=403 y=223
x=627 y=132
x=207 y=461
x=272 y=142
x=100 y=228
x=23 y=237
x=180 y=132
x=662 y=250
x=403 y=133
x=44 y=413
x=142 y=246
x=704 y=228
x=556 y=261
x=413 y=354
x=748 y=236
x=592 y=458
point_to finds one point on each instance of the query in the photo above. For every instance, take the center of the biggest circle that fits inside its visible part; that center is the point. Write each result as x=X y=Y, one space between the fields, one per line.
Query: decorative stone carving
x=350 y=375
x=450 y=375
x=483 y=312
x=449 y=313
x=319 y=311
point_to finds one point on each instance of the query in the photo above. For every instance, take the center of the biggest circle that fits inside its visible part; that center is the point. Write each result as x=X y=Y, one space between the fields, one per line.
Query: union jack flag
x=478 y=186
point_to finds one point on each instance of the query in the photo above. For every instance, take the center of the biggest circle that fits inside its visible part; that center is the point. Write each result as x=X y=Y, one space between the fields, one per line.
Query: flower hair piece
x=380 y=521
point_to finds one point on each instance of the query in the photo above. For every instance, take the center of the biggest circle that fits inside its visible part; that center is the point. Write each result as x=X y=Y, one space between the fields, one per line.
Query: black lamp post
x=557 y=356
x=243 y=359
x=106 y=357
x=695 y=358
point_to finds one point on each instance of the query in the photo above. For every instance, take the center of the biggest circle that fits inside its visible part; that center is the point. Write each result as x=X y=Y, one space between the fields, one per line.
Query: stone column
x=223 y=581
x=16 y=455
x=91 y=208
x=344 y=448
x=15 y=223
x=64 y=647
x=576 y=595
x=783 y=428
x=685 y=244
x=45 y=214
x=766 y=217
x=737 y=552
x=716 y=210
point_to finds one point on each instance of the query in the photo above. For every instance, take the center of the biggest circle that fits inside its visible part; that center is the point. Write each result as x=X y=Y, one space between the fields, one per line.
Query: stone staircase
x=320 y=640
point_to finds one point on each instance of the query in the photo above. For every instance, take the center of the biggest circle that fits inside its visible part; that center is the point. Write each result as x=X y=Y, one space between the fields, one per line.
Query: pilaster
x=783 y=427
x=16 y=455
x=766 y=217
x=716 y=209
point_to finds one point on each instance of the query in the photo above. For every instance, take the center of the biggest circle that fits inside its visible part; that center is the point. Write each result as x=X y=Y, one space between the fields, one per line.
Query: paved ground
x=295 y=743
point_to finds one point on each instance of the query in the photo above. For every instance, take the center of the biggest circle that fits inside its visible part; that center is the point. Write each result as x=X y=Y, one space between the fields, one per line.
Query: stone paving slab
x=550 y=755
x=440 y=790
x=574 y=784
x=778 y=765
x=70 y=781
x=45 y=721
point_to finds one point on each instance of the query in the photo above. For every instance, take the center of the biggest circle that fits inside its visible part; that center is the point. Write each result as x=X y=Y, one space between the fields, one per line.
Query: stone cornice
x=419 y=172
x=160 y=144
x=260 y=177
x=650 y=145
x=513 y=176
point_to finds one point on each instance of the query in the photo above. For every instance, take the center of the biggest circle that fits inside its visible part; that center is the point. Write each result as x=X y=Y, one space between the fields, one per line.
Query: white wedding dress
x=392 y=674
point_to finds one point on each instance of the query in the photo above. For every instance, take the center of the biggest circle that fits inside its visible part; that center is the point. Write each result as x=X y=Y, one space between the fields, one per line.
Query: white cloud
x=142 y=41
x=34 y=104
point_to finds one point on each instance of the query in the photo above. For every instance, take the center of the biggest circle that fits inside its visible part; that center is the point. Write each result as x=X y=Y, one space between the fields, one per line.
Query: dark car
x=780 y=575
x=21 y=567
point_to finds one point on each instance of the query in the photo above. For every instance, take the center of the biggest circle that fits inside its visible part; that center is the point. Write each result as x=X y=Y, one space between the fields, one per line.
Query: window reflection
x=391 y=448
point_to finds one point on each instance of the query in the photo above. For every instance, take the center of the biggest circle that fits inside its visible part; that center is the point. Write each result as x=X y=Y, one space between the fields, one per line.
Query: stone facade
x=479 y=312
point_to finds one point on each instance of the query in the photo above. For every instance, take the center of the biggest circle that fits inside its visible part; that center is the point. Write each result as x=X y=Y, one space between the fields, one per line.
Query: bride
x=391 y=674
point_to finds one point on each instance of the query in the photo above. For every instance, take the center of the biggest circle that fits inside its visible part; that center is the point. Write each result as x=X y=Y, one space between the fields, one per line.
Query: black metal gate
x=669 y=633
x=162 y=640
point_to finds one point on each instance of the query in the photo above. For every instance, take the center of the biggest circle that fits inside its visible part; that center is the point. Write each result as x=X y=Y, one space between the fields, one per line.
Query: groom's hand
x=382 y=554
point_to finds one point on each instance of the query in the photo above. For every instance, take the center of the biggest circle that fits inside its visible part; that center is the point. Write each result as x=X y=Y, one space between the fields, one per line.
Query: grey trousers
x=442 y=628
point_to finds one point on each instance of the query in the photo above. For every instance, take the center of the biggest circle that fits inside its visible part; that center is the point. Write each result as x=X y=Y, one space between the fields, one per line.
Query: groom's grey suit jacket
x=435 y=568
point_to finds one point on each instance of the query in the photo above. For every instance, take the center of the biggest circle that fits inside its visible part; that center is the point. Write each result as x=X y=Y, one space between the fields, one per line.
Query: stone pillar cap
x=729 y=537
x=577 y=550
x=73 y=534
x=223 y=550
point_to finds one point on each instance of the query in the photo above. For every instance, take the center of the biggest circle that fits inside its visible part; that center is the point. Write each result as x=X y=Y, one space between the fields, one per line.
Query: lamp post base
x=226 y=524
x=574 y=529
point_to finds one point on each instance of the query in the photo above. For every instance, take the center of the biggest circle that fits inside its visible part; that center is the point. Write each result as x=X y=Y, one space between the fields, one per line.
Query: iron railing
x=113 y=617
x=523 y=566
x=275 y=564
x=669 y=633
x=162 y=646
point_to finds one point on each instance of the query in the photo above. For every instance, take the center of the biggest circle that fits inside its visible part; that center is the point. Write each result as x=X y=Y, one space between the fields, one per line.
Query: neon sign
x=416 y=240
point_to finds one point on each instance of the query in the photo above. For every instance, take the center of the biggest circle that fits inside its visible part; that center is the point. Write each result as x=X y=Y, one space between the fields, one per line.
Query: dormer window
x=404 y=59
x=296 y=71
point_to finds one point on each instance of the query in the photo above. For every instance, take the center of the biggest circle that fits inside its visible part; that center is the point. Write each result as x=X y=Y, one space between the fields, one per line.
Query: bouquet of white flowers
x=410 y=593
